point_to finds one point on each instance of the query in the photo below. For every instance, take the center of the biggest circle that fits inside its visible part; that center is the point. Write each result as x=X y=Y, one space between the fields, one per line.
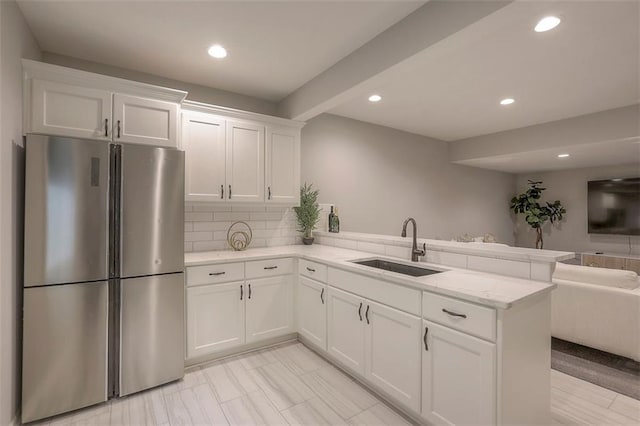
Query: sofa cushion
x=599 y=276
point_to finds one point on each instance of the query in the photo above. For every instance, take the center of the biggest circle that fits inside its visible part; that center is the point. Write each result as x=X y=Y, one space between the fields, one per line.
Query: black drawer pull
x=241 y=291
x=270 y=267
x=366 y=314
x=453 y=314
x=249 y=291
x=322 y=295
x=106 y=127
x=310 y=269
x=426 y=346
x=360 y=311
x=216 y=273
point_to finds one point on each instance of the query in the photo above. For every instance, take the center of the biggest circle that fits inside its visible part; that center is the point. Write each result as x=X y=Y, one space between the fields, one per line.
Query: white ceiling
x=451 y=91
x=608 y=153
x=274 y=47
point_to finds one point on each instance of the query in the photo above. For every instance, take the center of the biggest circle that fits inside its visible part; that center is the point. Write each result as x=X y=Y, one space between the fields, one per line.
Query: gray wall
x=16 y=42
x=378 y=176
x=570 y=187
x=197 y=93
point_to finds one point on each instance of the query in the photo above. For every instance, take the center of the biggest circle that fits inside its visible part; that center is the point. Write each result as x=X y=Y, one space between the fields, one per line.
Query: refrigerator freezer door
x=151 y=331
x=152 y=211
x=66 y=210
x=64 y=364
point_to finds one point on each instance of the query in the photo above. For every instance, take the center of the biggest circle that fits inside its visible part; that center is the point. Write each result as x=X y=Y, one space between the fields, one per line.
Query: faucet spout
x=415 y=251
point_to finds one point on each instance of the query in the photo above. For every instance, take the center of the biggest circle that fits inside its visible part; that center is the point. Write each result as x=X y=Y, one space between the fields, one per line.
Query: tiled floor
x=289 y=384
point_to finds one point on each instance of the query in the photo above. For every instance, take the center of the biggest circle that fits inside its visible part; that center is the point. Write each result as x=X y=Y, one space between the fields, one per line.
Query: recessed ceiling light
x=547 y=23
x=616 y=180
x=375 y=98
x=217 y=51
x=507 y=101
x=563 y=155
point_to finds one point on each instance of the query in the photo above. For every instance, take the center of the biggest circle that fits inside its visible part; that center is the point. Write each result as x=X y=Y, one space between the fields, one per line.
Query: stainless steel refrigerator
x=103 y=306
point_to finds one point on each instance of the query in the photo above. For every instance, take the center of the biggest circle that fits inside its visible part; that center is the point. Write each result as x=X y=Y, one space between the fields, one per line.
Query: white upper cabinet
x=204 y=143
x=245 y=161
x=145 y=121
x=67 y=102
x=235 y=157
x=63 y=109
x=282 y=175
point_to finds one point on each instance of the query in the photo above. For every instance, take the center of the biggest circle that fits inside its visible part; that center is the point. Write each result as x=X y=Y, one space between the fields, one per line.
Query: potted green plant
x=308 y=213
x=536 y=214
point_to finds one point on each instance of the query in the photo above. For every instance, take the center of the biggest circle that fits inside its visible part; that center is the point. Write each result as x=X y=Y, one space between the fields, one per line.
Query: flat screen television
x=614 y=206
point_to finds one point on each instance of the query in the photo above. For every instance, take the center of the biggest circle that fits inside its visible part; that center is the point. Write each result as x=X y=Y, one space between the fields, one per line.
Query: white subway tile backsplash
x=211 y=226
x=210 y=208
x=206 y=225
x=209 y=245
x=198 y=216
x=230 y=216
x=198 y=236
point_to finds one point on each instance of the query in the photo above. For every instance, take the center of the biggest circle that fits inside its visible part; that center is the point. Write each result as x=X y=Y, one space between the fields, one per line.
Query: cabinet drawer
x=213 y=274
x=466 y=317
x=314 y=270
x=269 y=268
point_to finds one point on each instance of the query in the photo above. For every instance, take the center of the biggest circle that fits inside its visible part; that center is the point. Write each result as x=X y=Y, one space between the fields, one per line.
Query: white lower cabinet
x=458 y=377
x=392 y=353
x=269 y=307
x=345 y=324
x=215 y=318
x=312 y=311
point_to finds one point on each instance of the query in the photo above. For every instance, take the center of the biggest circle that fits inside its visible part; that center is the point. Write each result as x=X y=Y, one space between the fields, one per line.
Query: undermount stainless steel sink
x=400 y=268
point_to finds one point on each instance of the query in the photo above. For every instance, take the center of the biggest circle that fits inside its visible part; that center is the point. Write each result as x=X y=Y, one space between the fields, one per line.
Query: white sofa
x=597 y=307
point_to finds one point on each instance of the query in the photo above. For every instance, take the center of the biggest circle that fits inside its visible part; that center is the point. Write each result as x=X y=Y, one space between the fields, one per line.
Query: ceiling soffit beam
x=611 y=125
x=364 y=68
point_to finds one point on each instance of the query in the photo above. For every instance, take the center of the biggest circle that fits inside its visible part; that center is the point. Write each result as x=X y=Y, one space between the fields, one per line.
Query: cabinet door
x=204 y=145
x=215 y=318
x=245 y=162
x=345 y=325
x=269 y=307
x=392 y=352
x=145 y=121
x=312 y=311
x=458 y=377
x=65 y=110
x=283 y=165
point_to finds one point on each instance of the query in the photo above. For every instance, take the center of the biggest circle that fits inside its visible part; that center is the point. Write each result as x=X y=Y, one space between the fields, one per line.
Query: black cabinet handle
x=366 y=314
x=360 y=311
x=453 y=314
x=216 y=273
x=106 y=127
x=310 y=269
x=270 y=267
x=269 y=191
x=249 y=291
x=322 y=295
x=229 y=191
x=426 y=346
x=241 y=291
x=222 y=192
x=118 y=129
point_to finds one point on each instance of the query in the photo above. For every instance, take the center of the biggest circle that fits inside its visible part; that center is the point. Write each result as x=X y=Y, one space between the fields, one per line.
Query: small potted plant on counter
x=308 y=213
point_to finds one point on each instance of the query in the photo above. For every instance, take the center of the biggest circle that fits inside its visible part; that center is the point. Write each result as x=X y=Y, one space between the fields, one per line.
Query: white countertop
x=496 y=251
x=487 y=289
